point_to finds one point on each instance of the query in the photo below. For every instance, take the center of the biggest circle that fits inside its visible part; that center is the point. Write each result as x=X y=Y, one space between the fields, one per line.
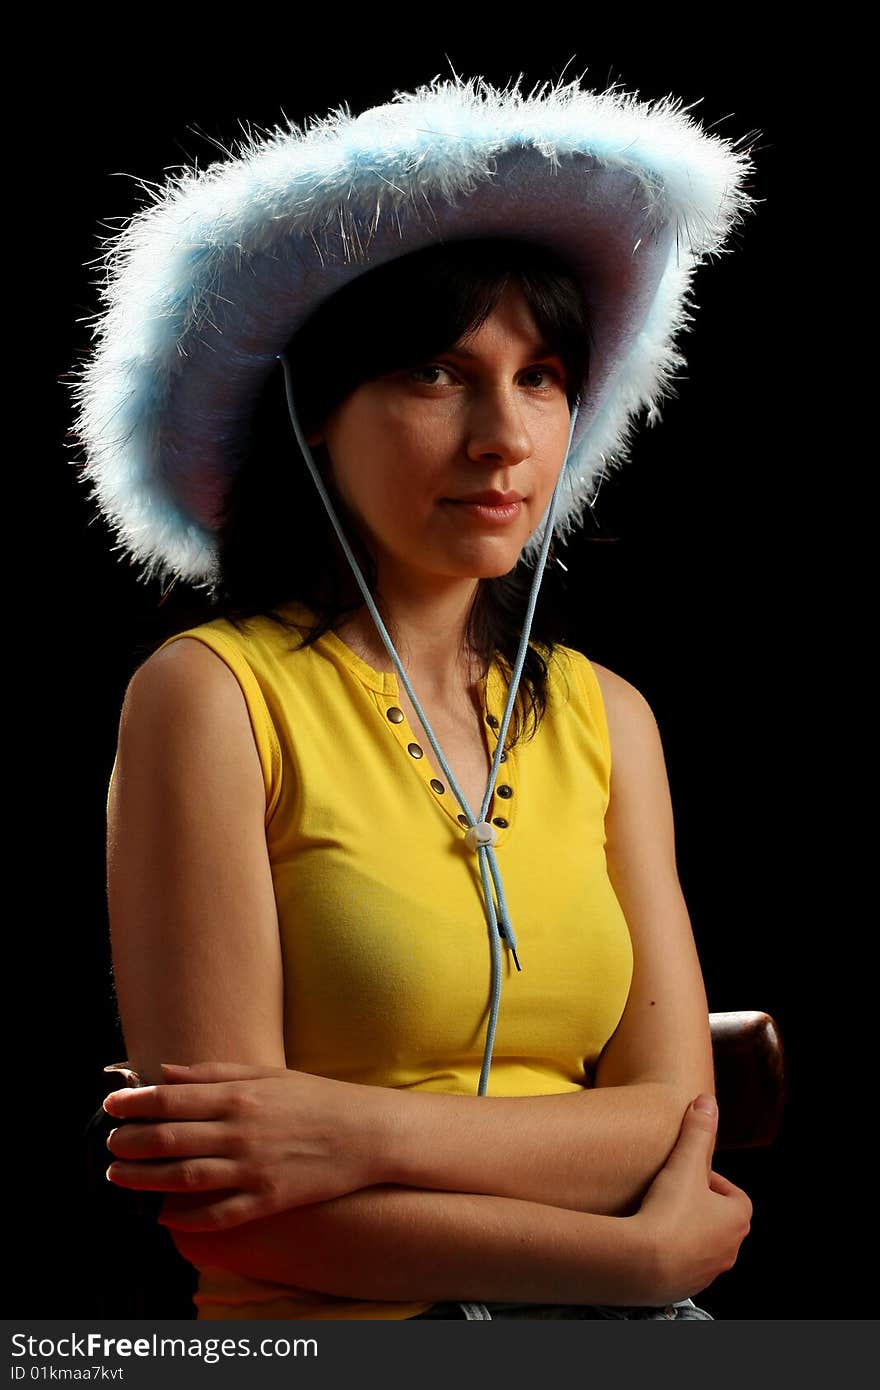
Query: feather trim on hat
x=206 y=283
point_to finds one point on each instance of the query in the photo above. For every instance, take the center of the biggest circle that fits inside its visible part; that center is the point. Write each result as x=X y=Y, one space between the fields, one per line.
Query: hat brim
x=210 y=283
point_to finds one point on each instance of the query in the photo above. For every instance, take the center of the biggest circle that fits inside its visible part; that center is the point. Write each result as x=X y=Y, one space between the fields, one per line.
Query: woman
x=284 y=894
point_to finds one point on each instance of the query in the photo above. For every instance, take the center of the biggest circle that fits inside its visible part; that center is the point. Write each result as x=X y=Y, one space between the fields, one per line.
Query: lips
x=487 y=514
x=490 y=499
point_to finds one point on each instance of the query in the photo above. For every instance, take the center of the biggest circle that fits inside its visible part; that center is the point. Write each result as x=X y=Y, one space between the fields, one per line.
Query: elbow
x=672 y=1102
x=679 y=1100
x=203 y=1250
x=681 y=1096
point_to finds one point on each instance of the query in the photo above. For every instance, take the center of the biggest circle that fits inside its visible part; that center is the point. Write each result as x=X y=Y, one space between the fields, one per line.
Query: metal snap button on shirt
x=441 y=793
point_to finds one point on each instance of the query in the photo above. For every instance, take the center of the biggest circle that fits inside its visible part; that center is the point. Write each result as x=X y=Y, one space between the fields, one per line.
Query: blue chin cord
x=480 y=837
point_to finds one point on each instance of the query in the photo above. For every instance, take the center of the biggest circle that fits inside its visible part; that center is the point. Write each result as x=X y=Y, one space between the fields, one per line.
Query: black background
x=700 y=583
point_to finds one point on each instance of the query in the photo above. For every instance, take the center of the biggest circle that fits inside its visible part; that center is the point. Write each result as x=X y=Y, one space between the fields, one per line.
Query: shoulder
x=186 y=692
x=640 y=806
x=625 y=705
x=638 y=775
x=185 y=668
x=624 y=710
x=211 y=689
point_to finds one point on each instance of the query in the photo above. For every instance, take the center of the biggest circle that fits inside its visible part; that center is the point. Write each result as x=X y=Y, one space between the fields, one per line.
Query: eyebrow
x=542 y=350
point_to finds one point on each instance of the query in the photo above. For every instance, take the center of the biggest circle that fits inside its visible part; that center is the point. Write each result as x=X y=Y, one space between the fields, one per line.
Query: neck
x=428 y=632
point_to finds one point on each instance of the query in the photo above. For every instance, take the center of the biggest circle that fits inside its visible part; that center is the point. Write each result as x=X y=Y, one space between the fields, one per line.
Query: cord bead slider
x=480 y=834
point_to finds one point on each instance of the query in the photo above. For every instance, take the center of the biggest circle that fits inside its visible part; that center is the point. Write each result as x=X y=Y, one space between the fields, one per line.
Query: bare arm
x=401 y=1244
x=593 y=1151
x=664 y=1033
x=193 y=921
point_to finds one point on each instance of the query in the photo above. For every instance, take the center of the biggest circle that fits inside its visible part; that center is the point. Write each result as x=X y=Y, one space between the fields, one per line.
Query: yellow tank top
x=384 y=934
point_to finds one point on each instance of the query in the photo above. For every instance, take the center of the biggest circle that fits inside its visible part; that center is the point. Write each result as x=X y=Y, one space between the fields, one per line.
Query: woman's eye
x=547 y=372
x=431 y=367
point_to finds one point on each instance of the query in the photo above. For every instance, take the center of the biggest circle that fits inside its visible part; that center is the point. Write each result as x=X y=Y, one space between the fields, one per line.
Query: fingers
x=705 y=1118
x=696 y=1139
x=191 y=1175
x=725 y=1188
x=195 y=1092
x=142 y=1141
x=196 y=1102
x=722 y=1185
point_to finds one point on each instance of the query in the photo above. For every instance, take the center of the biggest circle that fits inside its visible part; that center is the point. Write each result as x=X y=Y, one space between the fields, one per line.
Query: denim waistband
x=685 y=1310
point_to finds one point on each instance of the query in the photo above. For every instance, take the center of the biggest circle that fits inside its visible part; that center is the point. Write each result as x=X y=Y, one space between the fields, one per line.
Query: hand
x=692 y=1219
x=268 y=1138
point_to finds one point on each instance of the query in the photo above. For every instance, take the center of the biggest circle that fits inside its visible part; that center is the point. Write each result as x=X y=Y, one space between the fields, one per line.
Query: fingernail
x=706 y=1104
x=175 y=1066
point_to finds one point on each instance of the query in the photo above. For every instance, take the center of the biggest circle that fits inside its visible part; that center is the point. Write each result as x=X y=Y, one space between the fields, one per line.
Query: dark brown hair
x=276 y=543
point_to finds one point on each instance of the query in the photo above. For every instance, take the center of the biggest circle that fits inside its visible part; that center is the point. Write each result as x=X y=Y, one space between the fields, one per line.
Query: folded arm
x=592 y=1151
x=406 y=1245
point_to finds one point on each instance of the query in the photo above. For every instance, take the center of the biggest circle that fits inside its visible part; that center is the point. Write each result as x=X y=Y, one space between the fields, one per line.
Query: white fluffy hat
x=206 y=283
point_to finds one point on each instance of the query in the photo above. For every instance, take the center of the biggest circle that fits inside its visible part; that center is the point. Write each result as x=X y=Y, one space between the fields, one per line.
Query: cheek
x=551 y=470
x=383 y=503
x=385 y=459
x=551 y=478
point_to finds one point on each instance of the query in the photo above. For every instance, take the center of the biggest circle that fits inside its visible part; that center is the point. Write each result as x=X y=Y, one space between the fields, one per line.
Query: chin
x=481 y=561
x=505 y=559
x=493 y=571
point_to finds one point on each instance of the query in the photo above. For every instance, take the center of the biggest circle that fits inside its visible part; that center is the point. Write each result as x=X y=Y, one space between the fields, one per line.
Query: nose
x=496 y=430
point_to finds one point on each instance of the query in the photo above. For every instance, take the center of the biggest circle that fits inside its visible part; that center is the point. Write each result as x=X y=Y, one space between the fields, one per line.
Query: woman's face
x=490 y=414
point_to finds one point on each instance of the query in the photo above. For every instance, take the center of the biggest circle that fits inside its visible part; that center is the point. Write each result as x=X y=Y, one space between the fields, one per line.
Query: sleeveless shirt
x=384 y=933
